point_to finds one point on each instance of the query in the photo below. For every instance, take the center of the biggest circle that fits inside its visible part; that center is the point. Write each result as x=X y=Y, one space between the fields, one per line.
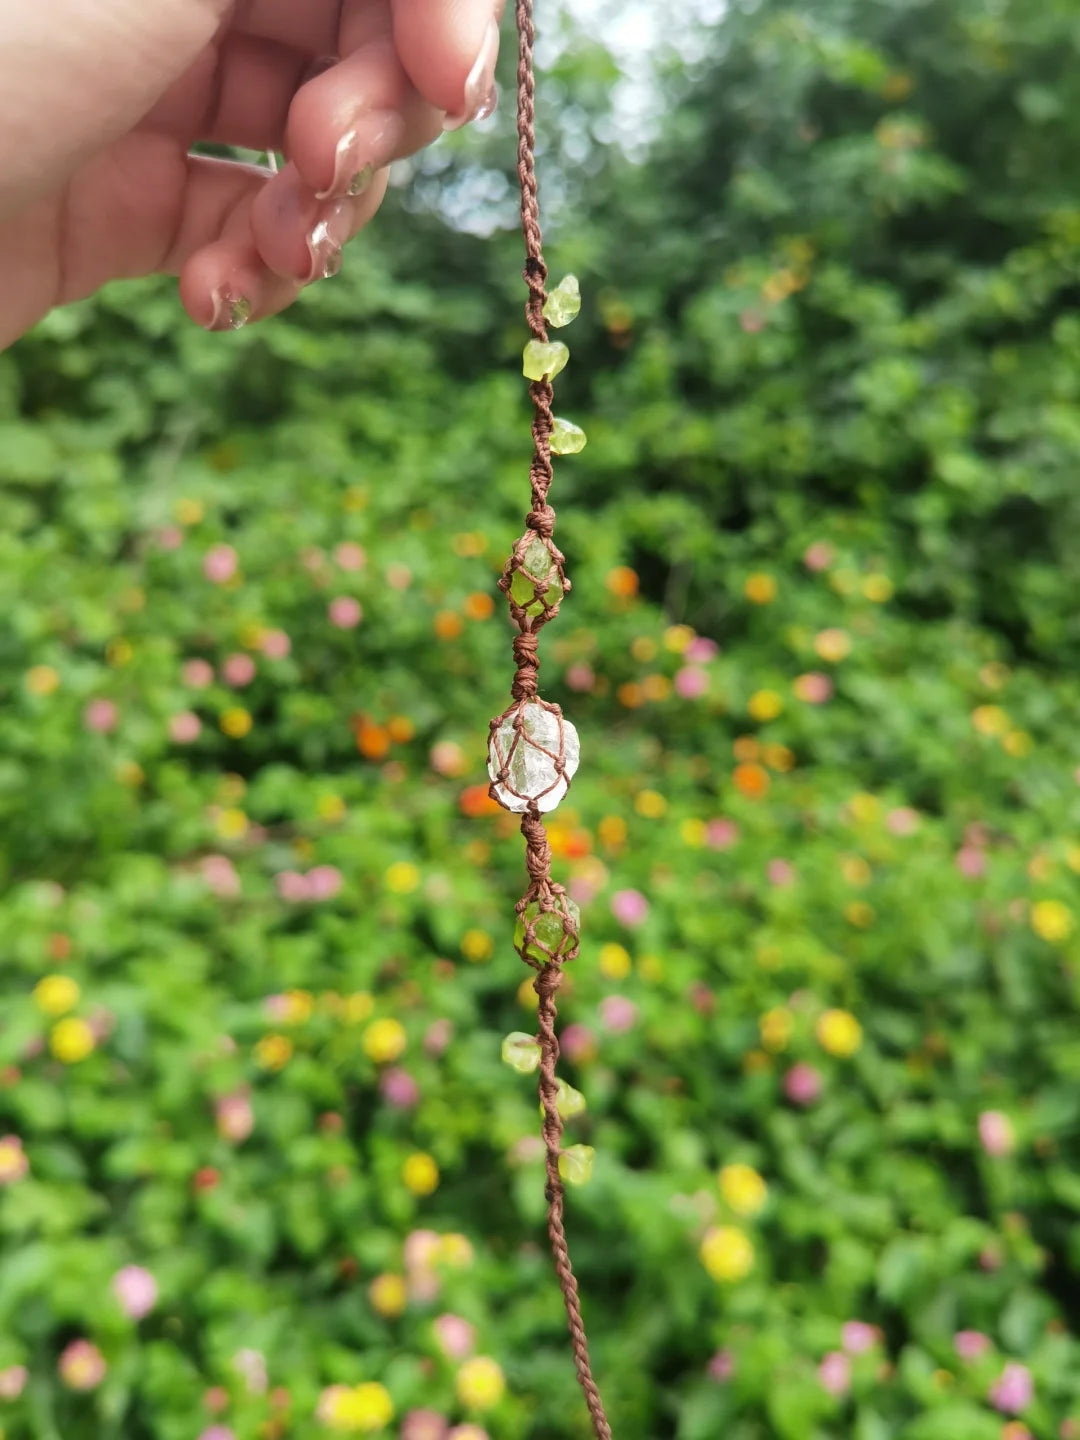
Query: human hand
x=100 y=104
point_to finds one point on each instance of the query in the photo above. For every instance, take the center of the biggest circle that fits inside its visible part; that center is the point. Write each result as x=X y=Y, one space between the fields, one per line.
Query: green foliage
x=827 y=363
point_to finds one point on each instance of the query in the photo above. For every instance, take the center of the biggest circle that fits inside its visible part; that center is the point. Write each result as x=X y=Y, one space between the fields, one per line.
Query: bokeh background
x=263 y=1175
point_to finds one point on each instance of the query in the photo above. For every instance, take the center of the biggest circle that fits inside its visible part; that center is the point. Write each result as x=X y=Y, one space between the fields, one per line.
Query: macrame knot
x=548 y=980
x=527 y=660
x=542 y=521
x=537 y=851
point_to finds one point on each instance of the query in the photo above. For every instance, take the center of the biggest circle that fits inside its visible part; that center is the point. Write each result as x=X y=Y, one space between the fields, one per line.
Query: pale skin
x=101 y=102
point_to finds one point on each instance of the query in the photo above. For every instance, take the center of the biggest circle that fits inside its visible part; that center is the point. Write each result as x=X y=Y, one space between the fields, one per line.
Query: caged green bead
x=564 y=302
x=567 y=438
x=543 y=361
x=556 y=929
x=568 y=1101
x=575 y=1164
x=538 y=572
x=521 y=1052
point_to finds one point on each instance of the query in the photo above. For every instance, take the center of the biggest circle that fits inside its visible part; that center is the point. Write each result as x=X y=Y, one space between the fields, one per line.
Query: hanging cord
x=543 y=891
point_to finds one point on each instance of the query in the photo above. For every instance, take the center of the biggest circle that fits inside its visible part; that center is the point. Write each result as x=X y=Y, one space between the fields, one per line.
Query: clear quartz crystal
x=564 y=302
x=538 y=567
x=532 y=772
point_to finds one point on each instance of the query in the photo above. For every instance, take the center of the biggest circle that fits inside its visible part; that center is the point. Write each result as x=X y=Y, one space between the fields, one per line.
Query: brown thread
x=543 y=892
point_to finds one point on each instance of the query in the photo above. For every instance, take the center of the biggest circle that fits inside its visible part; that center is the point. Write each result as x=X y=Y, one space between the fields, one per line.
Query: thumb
x=77 y=76
x=448 y=49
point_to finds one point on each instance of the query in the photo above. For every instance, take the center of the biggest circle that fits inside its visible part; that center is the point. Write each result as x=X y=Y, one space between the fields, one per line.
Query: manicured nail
x=231 y=312
x=328 y=239
x=362 y=150
x=481 y=95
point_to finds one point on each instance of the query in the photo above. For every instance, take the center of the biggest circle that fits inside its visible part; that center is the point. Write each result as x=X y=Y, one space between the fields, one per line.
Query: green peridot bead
x=568 y=1101
x=521 y=1052
x=555 y=929
x=575 y=1164
x=564 y=302
x=567 y=438
x=538 y=572
x=542 y=361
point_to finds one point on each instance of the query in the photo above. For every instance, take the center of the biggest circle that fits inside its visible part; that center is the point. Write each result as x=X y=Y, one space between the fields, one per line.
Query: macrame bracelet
x=533 y=751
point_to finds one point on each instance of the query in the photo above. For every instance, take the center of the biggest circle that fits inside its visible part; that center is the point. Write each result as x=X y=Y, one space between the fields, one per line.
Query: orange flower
x=372 y=739
x=746 y=748
x=751 y=780
x=630 y=695
x=475 y=801
x=623 y=582
x=448 y=626
x=479 y=606
x=612 y=831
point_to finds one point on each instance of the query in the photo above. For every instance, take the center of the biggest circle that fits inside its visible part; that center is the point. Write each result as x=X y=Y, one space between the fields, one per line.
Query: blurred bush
x=264 y=1174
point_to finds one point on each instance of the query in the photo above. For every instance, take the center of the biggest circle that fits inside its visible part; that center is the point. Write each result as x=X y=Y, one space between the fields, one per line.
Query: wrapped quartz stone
x=532 y=756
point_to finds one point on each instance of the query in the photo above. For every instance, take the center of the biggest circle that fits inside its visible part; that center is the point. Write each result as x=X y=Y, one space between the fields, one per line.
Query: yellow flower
x=119 y=653
x=71 y=1041
x=651 y=969
x=694 y=833
x=130 y=773
x=778 y=757
x=298 y=1007
x=43 y=680
x=236 y=722
x=56 y=995
x=402 y=877
x=743 y=1189
x=990 y=720
x=480 y=1383
x=384 y=1041
x=477 y=945
x=358 y=1007
x=650 y=803
x=1072 y=858
x=656 y=687
x=833 y=645
x=727 y=1253
x=860 y=914
x=13 y=1161
x=614 y=961
x=330 y=808
x=1017 y=743
x=612 y=831
x=839 y=1033
x=388 y=1294
x=273 y=1052
x=643 y=648
x=760 y=589
x=864 y=808
x=756 y=1062
x=1051 y=920
x=855 y=870
x=359 y=1408
x=877 y=589
x=421 y=1174
x=189 y=512
x=775 y=1028
x=454 y=1250
x=527 y=995
x=232 y=824
x=765 y=705
x=677 y=638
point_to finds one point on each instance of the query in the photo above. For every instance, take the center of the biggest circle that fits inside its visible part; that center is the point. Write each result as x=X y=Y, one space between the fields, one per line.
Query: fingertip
x=449 y=49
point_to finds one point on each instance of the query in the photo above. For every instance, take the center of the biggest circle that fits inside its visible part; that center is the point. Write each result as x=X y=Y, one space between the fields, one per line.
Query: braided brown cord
x=534 y=583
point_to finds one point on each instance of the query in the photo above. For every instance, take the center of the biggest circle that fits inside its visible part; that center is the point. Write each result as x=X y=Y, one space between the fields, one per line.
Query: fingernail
x=231 y=312
x=361 y=151
x=328 y=239
x=481 y=94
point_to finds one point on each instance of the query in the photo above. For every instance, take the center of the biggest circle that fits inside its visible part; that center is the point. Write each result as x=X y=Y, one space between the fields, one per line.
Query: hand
x=101 y=102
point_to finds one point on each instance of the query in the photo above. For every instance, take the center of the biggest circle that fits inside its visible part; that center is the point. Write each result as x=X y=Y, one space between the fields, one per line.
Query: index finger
x=448 y=49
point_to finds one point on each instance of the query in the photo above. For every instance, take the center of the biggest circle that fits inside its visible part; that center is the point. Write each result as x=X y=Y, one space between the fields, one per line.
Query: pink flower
x=467 y=1432
x=234 y=1116
x=781 y=872
x=291 y=886
x=722 y=1366
x=82 y=1366
x=198 y=674
x=751 y=322
x=814 y=688
x=398 y=577
x=721 y=834
x=399 y=1089
x=220 y=564
x=582 y=889
x=526 y=1150
x=996 y=1133
x=447 y=758
x=701 y=650
x=169 y=537
x=350 y=556
x=438 y=1036
x=250 y=1365
x=277 y=1008
x=185 y=728
x=238 y=670
x=629 y=907
x=218 y=1432
x=421 y=1249
x=345 y=612
x=971 y=1344
x=819 y=555
x=423 y=1425
x=454 y=1336
x=691 y=682
x=323 y=882
x=618 y=1014
x=857 y=1337
x=12 y=1381
x=581 y=677
x=903 y=821
x=101 y=716
x=312 y=558
x=216 y=1399
x=970 y=862
x=137 y=1291
x=275 y=644
x=221 y=876
x=834 y=1372
x=802 y=1084
x=1014 y=1391
x=578 y=1043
